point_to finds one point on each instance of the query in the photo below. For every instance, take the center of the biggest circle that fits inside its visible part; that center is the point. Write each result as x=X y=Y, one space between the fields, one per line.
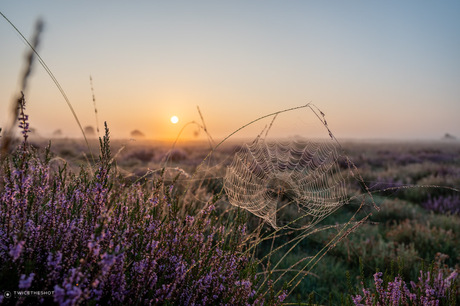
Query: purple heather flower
x=94 y=248
x=282 y=296
x=59 y=294
x=356 y=299
x=15 y=251
x=189 y=219
x=25 y=283
x=107 y=262
x=429 y=292
x=397 y=292
x=243 y=230
x=121 y=255
x=451 y=277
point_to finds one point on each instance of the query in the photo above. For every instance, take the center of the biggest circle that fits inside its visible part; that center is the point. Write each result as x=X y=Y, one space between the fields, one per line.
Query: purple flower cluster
x=93 y=238
x=444 y=204
x=403 y=158
x=438 y=290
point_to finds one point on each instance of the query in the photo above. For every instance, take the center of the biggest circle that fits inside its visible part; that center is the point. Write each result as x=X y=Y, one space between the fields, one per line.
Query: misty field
x=289 y=216
x=141 y=222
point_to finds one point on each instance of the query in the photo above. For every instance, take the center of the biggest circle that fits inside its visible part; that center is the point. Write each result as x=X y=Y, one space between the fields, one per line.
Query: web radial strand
x=265 y=176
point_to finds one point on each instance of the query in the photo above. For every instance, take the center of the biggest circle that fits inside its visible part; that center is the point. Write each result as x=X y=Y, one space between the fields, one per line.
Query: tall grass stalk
x=50 y=74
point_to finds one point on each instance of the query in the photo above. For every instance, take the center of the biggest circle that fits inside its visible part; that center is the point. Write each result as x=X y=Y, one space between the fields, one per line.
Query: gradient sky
x=377 y=69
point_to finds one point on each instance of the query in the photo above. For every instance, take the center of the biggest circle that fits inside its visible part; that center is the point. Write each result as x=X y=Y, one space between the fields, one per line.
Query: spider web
x=267 y=177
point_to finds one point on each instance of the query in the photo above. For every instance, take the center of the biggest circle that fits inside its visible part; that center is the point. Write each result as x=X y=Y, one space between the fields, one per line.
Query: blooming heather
x=94 y=238
x=429 y=290
x=443 y=204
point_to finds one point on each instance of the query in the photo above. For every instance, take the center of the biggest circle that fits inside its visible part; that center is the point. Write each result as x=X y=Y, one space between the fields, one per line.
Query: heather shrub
x=447 y=222
x=449 y=204
x=401 y=232
x=396 y=210
x=429 y=183
x=92 y=237
x=426 y=239
x=376 y=250
x=436 y=286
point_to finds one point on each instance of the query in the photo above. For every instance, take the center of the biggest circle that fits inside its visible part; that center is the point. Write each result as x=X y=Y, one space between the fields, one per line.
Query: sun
x=174 y=119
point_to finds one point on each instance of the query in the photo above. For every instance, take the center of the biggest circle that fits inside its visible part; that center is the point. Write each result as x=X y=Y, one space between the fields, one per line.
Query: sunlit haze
x=387 y=69
x=174 y=119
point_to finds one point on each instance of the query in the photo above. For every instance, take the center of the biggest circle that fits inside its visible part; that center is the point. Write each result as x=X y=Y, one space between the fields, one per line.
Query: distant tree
x=449 y=136
x=89 y=131
x=137 y=134
x=57 y=133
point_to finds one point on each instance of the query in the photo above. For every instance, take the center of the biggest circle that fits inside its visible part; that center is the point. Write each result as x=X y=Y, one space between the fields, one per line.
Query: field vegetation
x=120 y=228
x=134 y=223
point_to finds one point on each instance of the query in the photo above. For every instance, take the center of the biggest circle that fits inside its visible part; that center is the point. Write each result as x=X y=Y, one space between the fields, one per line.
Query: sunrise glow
x=357 y=62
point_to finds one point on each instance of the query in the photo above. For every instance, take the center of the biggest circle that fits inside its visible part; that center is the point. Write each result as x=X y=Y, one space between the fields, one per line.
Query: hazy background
x=376 y=69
